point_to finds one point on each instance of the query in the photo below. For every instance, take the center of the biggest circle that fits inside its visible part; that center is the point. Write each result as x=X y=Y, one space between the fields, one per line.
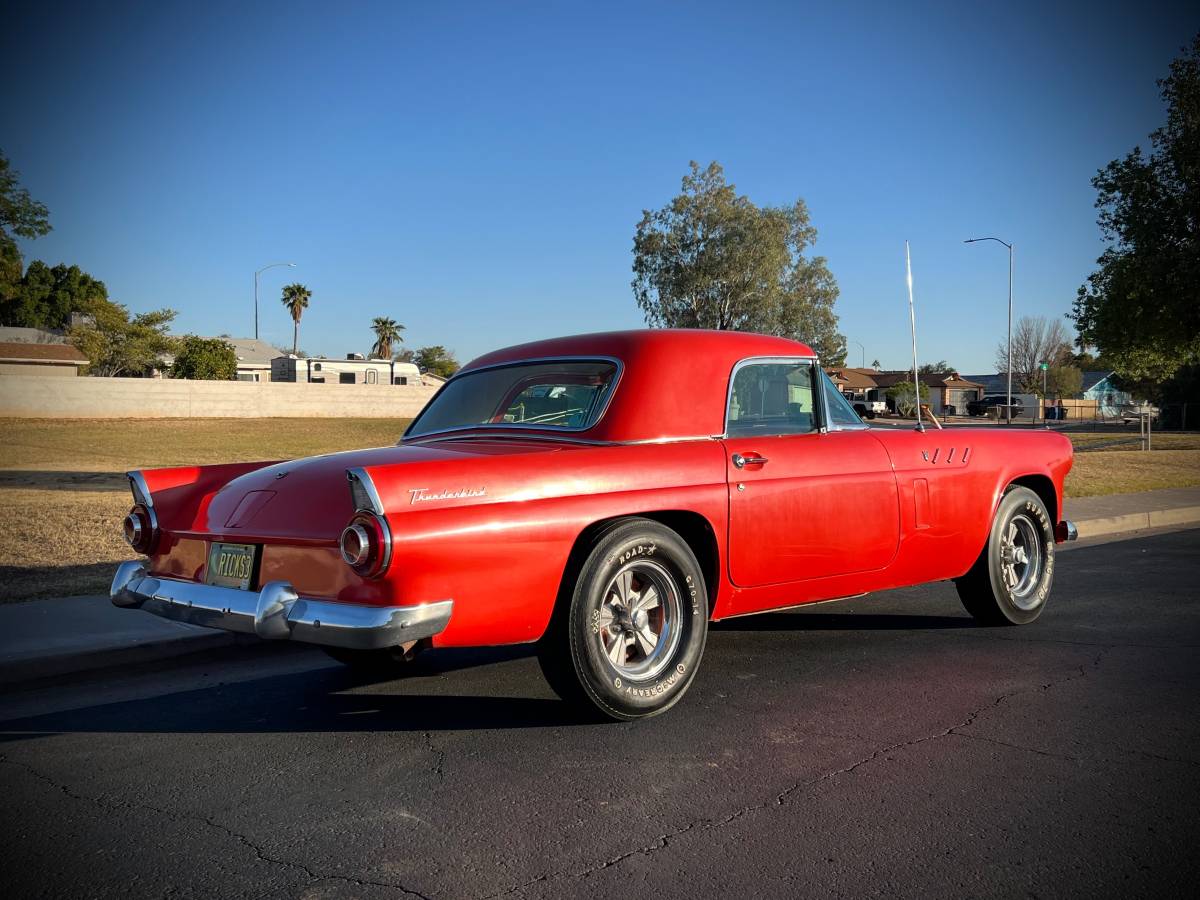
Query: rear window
x=570 y=395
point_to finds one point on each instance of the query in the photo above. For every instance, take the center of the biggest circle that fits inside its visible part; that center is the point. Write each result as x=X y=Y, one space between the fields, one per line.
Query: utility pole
x=256 y=274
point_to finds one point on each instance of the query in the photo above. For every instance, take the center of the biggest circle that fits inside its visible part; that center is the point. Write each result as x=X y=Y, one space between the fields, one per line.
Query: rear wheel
x=1010 y=582
x=628 y=638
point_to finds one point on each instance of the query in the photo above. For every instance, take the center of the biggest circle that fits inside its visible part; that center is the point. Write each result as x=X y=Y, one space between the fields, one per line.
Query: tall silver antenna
x=912 y=318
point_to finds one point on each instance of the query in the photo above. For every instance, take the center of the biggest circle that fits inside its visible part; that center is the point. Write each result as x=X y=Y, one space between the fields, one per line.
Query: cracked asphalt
x=881 y=746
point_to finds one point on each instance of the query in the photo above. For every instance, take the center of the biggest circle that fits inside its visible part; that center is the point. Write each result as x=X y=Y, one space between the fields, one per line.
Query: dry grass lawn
x=62 y=497
x=59 y=537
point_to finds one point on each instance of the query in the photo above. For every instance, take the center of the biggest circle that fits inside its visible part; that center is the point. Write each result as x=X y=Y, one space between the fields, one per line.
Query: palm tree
x=295 y=298
x=387 y=332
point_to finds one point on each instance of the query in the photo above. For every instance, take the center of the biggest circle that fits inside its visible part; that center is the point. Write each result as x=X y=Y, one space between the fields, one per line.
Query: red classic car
x=605 y=496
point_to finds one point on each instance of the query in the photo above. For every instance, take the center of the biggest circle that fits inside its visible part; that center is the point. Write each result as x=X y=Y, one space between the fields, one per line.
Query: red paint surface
x=829 y=515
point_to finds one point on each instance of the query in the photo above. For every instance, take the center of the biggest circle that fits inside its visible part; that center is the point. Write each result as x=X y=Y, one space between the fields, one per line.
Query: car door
x=812 y=493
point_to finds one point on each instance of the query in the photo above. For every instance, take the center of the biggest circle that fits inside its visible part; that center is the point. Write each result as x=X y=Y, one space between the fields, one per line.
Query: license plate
x=231 y=565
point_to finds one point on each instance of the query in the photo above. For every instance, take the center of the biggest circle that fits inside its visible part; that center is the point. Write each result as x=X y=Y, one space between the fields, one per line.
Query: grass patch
x=1104 y=472
x=58 y=543
x=118 y=445
x=1129 y=441
x=58 y=538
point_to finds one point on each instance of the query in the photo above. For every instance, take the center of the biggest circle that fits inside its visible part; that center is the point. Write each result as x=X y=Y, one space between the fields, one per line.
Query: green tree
x=901 y=396
x=406 y=355
x=115 y=344
x=295 y=298
x=387 y=332
x=208 y=359
x=436 y=360
x=20 y=216
x=46 y=297
x=713 y=259
x=1139 y=307
x=935 y=368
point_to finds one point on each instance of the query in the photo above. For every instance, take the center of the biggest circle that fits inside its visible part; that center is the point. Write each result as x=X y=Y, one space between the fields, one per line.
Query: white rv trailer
x=354 y=369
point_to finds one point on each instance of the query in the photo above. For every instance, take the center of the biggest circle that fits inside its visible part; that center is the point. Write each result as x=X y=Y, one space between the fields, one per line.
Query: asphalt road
x=883 y=746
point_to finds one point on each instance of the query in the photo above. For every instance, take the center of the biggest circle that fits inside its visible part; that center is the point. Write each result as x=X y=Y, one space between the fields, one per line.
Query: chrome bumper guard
x=1066 y=531
x=277 y=612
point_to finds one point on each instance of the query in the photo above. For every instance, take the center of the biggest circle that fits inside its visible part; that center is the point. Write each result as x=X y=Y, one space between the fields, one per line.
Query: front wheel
x=628 y=639
x=1010 y=582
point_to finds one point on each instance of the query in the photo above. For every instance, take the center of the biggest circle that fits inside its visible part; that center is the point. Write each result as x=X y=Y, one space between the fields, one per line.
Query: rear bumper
x=1065 y=531
x=277 y=612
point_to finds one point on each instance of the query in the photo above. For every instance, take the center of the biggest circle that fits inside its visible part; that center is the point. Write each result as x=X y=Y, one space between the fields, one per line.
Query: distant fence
x=44 y=397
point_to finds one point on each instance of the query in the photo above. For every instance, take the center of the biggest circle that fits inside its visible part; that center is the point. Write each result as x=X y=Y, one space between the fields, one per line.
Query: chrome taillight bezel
x=366 y=544
x=140 y=529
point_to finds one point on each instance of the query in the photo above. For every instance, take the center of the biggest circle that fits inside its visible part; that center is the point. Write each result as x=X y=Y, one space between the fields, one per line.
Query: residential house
x=946 y=389
x=1109 y=398
x=19 y=358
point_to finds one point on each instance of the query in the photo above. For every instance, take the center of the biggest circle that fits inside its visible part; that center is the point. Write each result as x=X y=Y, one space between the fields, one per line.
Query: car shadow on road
x=328 y=699
x=816 y=621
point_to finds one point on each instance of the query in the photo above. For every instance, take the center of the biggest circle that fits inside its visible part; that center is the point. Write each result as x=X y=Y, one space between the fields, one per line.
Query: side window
x=837 y=407
x=771 y=398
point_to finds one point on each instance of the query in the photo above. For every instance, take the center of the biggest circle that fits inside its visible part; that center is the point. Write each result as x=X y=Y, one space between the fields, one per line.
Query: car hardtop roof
x=673 y=383
x=666 y=344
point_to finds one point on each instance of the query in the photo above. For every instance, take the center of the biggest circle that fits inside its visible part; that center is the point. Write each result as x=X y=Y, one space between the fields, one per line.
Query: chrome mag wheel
x=1021 y=560
x=637 y=624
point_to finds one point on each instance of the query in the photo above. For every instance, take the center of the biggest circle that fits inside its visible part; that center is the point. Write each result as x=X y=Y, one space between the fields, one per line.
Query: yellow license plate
x=232 y=565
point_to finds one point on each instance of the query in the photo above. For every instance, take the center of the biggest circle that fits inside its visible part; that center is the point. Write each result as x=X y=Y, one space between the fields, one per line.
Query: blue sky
x=476 y=171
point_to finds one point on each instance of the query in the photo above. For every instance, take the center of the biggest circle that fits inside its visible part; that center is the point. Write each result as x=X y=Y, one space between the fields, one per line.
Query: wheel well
x=1044 y=488
x=695 y=530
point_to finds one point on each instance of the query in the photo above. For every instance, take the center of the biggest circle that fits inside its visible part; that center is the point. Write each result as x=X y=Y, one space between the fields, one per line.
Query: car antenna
x=912 y=318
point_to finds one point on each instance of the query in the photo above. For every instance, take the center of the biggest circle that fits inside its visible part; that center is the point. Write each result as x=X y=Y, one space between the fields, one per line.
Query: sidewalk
x=45 y=638
x=1118 y=513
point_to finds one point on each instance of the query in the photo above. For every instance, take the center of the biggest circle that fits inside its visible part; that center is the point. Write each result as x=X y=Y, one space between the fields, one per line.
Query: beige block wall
x=48 y=397
x=38 y=370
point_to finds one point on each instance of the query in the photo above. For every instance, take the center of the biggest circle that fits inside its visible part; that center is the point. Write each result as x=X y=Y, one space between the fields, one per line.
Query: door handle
x=752 y=460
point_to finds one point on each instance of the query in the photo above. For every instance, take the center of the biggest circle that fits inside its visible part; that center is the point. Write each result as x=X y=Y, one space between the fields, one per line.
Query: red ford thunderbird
x=604 y=496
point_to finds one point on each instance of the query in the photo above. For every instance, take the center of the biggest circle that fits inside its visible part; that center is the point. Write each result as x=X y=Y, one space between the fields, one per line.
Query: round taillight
x=140 y=529
x=366 y=544
x=133 y=530
x=356 y=545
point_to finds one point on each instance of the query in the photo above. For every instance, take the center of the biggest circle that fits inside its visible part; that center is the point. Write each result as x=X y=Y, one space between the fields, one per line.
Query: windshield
x=566 y=394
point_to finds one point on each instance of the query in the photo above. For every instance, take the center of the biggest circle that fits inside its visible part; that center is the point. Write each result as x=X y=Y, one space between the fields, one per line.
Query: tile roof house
x=946 y=389
x=19 y=358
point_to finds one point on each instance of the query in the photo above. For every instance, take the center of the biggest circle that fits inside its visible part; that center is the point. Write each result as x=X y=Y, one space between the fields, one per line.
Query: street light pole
x=864 y=353
x=1008 y=402
x=256 y=274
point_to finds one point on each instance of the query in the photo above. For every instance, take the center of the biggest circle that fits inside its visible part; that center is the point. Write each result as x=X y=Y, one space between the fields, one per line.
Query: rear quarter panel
x=501 y=556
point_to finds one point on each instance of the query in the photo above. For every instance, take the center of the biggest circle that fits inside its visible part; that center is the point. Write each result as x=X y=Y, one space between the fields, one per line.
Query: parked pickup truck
x=603 y=497
x=869 y=409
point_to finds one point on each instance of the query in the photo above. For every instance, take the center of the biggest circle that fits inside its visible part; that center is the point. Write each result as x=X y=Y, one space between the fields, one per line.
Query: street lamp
x=864 y=353
x=256 y=274
x=1008 y=404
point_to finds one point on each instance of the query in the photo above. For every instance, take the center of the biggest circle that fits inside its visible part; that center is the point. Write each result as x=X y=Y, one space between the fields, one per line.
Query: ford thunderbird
x=604 y=497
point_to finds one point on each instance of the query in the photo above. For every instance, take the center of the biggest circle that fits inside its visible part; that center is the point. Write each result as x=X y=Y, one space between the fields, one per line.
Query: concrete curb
x=1139 y=521
x=19 y=671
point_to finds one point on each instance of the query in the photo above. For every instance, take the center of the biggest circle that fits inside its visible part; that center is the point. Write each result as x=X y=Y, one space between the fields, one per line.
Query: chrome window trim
x=469 y=433
x=509 y=426
x=818 y=403
x=829 y=424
